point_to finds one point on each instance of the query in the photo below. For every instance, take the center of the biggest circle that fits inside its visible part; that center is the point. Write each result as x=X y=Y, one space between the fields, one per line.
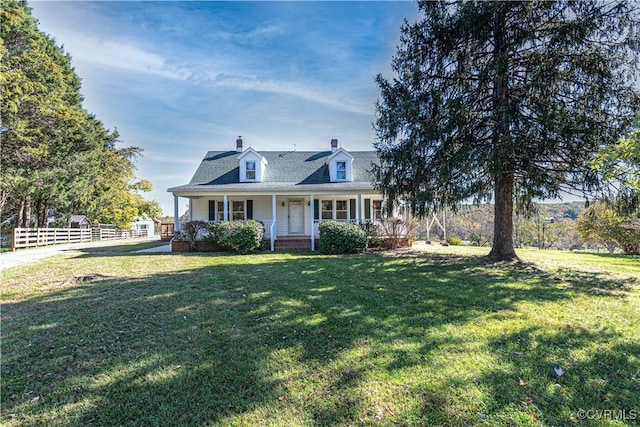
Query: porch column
x=190 y=209
x=359 y=208
x=176 y=222
x=273 y=217
x=313 y=236
x=226 y=208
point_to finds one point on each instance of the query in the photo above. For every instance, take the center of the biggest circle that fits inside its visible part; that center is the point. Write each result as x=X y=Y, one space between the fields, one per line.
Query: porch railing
x=269 y=226
x=316 y=222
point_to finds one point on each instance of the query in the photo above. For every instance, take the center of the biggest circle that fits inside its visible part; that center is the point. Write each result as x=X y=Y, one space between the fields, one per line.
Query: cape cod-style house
x=290 y=192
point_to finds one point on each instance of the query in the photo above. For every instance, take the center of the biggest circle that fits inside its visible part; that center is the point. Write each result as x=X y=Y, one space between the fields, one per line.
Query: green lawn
x=434 y=337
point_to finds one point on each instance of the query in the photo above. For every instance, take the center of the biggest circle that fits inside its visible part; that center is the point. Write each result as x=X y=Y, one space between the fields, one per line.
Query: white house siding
x=282 y=216
x=199 y=209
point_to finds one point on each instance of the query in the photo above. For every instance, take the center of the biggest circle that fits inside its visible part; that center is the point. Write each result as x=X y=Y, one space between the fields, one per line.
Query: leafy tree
x=564 y=233
x=504 y=101
x=621 y=162
x=524 y=231
x=115 y=198
x=602 y=224
x=614 y=220
x=556 y=233
x=619 y=165
x=471 y=223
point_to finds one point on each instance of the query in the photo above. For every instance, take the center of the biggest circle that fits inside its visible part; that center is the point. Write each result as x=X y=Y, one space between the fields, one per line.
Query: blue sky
x=181 y=78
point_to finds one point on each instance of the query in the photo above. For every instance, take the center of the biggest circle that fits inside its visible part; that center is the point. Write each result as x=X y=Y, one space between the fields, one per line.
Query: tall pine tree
x=505 y=101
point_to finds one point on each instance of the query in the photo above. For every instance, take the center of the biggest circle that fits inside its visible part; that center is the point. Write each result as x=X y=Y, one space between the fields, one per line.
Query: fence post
x=14 y=234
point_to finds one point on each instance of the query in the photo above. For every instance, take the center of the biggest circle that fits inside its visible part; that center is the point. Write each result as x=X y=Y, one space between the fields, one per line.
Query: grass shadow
x=299 y=338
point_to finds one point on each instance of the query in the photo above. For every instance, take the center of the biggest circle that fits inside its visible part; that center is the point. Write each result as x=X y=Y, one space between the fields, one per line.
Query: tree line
x=56 y=156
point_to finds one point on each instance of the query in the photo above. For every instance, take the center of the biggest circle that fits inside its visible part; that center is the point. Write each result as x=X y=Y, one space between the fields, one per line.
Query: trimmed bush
x=242 y=237
x=217 y=233
x=454 y=241
x=342 y=238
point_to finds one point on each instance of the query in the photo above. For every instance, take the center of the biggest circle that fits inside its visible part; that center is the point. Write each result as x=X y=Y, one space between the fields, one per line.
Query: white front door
x=296 y=216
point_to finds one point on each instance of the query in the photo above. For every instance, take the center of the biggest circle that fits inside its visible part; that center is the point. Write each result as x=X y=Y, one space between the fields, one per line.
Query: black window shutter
x=367 y=208
x=316 y=209
x=249 y=209
x=352 y=208
x=212 y=210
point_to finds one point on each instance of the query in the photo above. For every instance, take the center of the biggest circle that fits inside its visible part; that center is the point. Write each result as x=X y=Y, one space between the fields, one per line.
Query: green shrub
x=341 y=238
x=454 y=241
x=217 y=233
x=242 y=237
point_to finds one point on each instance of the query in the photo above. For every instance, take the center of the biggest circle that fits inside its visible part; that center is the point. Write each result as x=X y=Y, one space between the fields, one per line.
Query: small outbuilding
x=79 y=221
x=150 y=225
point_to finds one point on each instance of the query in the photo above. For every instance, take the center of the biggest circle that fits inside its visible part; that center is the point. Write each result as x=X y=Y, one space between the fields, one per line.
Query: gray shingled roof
x=220 y=170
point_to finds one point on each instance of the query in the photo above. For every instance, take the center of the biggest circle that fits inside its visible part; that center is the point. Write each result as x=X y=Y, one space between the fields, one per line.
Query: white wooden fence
x=18 y=238
x=111 y=233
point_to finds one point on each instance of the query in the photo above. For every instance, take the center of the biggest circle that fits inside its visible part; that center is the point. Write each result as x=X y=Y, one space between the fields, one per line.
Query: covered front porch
x=287 y=217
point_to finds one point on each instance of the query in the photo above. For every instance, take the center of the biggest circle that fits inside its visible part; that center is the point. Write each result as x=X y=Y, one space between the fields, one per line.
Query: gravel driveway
x=24 y=256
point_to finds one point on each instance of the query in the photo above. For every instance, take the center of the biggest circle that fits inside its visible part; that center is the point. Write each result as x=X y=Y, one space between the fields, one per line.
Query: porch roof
x=270 y=188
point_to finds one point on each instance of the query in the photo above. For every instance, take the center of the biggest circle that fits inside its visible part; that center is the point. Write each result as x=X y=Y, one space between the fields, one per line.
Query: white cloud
x=89 y=51
x=188 y=160
x=308 y=92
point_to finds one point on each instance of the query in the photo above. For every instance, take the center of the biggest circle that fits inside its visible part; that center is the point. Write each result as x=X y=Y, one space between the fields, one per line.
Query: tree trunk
x=20 y=215
x=4 y=196
x=502 y=248
x=23 y=218
x=42 y=210
x=26 y=218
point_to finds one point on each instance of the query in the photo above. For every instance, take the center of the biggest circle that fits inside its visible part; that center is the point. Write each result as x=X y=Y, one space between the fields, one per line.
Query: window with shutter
x=212 y=210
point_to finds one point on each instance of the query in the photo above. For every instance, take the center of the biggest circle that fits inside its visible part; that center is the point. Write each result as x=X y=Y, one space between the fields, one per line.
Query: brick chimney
x=334 y=145
x=239 y=144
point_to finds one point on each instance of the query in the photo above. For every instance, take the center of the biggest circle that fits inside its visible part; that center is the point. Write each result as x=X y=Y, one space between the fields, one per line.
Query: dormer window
x=341 y=171
x=251 y=170
x=252 y=166
x=340 y=166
